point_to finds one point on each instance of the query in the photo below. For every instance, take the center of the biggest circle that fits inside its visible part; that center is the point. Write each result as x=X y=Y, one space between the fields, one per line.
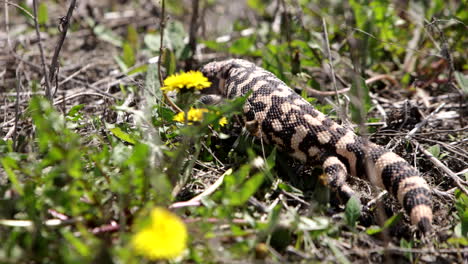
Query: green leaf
x=174 y=37
x=8 y=165
x=409 y=245
x=352 y=211
x=132 y=37
x=119 y=133
x=242 y=46
x=122 y=65
x=128 y=56
x=42 y=14
x=434 y=150
x=464 y=223
x=389 y=223
x=152 y=41
x=79 y=245
x=75 y=109
x=340 y=257
x=461 y=203
x=108 y=35
x=239 y=188
x=458 y=241
x=360 y=101
x=250 y=188
x=139 y=69
x=392 y=220
x=258 y=5
x=462 y=81
x=169 y=61
x=152 y=92
x=374 y=230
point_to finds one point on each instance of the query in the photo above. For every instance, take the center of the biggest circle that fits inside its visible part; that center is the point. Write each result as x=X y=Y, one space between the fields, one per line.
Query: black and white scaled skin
x=275 y=113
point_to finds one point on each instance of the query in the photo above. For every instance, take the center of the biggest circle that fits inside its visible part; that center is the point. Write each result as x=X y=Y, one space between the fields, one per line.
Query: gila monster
x=275 y=113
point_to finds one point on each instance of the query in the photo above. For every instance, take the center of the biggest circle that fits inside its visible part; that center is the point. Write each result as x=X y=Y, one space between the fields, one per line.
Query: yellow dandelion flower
x=196 y=115
x=186 y=80
x=223 y=121
x=165 y=237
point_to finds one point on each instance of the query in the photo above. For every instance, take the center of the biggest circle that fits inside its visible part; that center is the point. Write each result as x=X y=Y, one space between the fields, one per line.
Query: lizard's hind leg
x=334 y=176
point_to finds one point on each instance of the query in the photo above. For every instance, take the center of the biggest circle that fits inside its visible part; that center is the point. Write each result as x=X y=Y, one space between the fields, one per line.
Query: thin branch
x=422 y=123
x=41 y=50
x=63 y=27
x=19 y=7
x=195 y=201
x=330 y=58
x=162 y=25
x=193 y=32
x=442 y=166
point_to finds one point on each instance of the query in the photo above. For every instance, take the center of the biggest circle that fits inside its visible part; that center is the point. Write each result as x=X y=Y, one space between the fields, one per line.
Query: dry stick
x=19 y=7
x=17 y=111
x=346 y=89
x=7 y=24
x=420 y=250
x=162 y=25
x=422 y=123
x=442 y=166
x=78 y=95
x=195 y=201
x=330 y=59
x=41 y=50
x=103 y=94
x=63 y=27
x=193 y=32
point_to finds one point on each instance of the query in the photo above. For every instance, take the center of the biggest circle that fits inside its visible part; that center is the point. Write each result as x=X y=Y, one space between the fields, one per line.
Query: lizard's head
x=216 y=72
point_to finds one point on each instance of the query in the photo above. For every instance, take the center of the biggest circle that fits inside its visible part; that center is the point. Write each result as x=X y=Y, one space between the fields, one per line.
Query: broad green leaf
x=128 y=56
x=108 y=35
x=242 y=46
x=169 y=61
x=248 y=189
x=139 y=69
x=374 y=230
x=409 y=245
x=434 y=150
x=152 y=41
x=8 y=165
x=42 y=14
x=340 y=257
x=75 y=109
x=462 y=81
x=360 y=101
x=258 y=5
x=174 y=37
x=390 y=222
x=122 y=65
x=75 y=241
x=119 y=133
x=458 y=241
x=152 y=91
x=132 y=37
x=352 y=211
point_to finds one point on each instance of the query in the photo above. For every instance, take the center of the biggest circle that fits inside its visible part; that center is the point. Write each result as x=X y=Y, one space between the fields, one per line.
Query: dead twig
x=41 y=50
x=442 y=166
x=192 y=43
x=63 y=28
x=162 y=25
x=330 y=59
x=425 y=120
x=195 y=201
x=19 y=7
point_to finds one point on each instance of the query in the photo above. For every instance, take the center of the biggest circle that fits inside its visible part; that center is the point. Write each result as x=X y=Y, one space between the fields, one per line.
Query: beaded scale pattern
x=278 y=115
